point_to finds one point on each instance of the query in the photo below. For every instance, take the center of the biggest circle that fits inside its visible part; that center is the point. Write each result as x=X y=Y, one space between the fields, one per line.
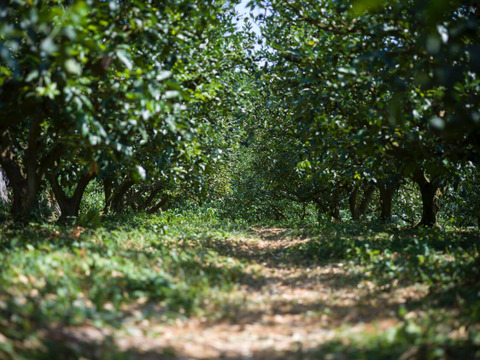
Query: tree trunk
x=304 y=212
x=68 y=210
x=3 y=187
x=148 y=201
x=116 y=199
x=331 y=209
x=25 y=193
x=428 y=189
x=359 y=211
x=25 y=175
x=386 y=197
x=70 y=206
x=430 y=205
x=158 y=206
x=24 y=202
x=134 y=199
x=25 y=189
x=367 y=198
x=277 y=213
x=335 y=207
x=133 y=196
x=107 y=189
x=387 y=190
x=53 y=203
x=352 y=202
x=320 y=209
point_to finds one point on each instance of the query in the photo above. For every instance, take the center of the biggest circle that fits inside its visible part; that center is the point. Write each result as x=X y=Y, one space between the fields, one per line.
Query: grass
x=177 y=266
x=53 y=276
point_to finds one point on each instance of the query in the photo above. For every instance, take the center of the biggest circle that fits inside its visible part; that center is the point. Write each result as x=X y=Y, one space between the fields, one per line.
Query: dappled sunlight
x=256 y=293
x=239 y=179
x=280 y=309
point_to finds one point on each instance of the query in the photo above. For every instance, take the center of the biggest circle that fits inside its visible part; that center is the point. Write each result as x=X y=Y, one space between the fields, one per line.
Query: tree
x=356 y=84
x=84 y=87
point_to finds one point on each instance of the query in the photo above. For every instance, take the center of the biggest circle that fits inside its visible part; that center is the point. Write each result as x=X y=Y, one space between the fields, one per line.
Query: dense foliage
x=365 y=96
x=126 y=92
x=345 y=102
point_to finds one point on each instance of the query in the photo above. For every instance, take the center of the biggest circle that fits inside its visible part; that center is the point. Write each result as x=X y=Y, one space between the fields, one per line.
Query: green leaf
x=437 y=123
x=170 y=94
x=164 y=75
x=361 y=6
x=48 y=45
x=141 y=172
x=125 y=58
x=73 y=67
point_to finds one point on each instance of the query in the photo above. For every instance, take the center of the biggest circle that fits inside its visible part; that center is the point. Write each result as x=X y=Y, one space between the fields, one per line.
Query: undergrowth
x=54 y=276
x=173 y=265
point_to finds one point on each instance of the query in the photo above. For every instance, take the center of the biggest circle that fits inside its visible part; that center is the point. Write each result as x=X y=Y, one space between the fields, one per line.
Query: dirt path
x=287 y=311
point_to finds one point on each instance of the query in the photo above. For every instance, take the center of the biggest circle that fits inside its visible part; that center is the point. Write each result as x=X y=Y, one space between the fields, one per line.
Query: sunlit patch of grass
x=53 y=276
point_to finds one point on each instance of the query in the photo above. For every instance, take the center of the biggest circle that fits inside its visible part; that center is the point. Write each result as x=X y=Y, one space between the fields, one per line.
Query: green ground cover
x=54 y=276
x=186 y=267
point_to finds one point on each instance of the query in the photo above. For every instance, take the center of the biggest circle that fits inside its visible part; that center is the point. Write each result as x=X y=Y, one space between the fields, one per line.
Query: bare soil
x=286 y=312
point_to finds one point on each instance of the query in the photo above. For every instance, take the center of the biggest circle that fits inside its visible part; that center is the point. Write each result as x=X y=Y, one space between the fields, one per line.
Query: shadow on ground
x=294 y=309
x=401 y=346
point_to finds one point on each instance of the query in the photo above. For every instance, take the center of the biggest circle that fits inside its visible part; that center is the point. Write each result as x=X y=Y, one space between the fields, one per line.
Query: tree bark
x=386 y=197
x=116 y=200
x=304 y=211
x=359 y=211
x=277 y=213
x=352 y=202
x=107 y=189
x=154 y=192
x=133 y=197
x=3 y=187
x=428 y=190
x=335 y=207
x=387 y=189
x=26 y=176
x=53 y=203
x=70 y=206
x=367 y=198
x=430 y=205
x=25 y=190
